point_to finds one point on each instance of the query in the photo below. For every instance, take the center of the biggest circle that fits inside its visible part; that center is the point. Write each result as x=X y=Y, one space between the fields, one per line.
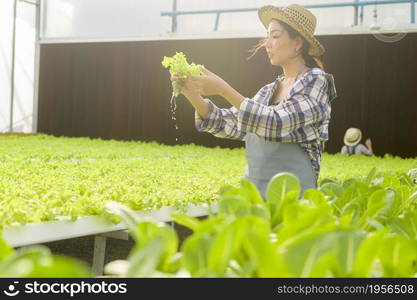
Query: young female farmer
x=285 y=125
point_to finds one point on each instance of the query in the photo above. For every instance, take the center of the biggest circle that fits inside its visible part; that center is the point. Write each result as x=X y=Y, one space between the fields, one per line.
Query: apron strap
x=351 y=149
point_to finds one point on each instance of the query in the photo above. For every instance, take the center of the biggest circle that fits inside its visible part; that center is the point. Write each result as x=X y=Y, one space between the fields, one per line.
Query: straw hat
x=299 y=18
x=352 y=136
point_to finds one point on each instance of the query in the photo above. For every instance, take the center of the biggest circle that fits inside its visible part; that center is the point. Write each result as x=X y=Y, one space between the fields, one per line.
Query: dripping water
x=173 y=117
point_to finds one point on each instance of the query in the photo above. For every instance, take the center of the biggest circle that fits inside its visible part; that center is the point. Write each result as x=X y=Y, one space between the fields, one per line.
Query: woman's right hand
x=186 y=88
x=193 y=96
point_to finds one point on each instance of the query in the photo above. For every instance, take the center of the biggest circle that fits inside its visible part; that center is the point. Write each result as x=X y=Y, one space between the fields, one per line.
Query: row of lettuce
x=361 y=227
x=47 y=178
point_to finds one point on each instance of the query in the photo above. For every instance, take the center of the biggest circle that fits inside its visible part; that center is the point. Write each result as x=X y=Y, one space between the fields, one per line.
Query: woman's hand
x=192 y=96
x=207 y=84
x=195 y=86
x=184 y=86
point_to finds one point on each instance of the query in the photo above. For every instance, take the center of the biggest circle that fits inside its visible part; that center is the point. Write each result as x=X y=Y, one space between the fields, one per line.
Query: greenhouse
x=201 y=139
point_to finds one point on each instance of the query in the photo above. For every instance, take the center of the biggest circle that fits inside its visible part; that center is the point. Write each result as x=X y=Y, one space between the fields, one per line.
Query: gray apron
x=267 y=158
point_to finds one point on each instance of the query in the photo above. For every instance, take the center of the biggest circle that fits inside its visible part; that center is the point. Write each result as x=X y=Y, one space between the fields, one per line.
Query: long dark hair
x=311 y=61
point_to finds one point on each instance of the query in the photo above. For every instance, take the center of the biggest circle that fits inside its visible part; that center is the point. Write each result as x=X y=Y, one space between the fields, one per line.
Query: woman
x=285 y=124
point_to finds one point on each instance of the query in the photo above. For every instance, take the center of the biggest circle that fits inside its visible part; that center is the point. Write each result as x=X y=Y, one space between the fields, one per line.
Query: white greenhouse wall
x=24 y=68
x=23 y=91
x=6 y=33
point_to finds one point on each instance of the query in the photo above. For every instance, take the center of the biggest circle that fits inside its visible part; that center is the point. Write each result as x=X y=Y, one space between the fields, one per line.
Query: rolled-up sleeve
x=307 y=106
x=221 y=122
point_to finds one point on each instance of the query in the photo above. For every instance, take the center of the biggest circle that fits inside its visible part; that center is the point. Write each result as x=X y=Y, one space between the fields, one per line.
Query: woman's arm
x=221 y=122
x=231 y=95
x=307 y=106
x=201 y=106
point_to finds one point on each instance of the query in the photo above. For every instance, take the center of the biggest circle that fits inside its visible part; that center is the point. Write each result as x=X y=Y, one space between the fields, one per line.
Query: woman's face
x=279 y=46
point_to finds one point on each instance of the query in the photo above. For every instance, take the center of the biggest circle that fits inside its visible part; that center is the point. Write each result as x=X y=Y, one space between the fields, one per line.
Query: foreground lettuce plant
x=358 y=229
x=37 y=261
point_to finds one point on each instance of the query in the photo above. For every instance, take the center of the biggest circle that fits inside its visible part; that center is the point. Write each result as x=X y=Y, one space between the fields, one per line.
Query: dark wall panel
x=120 y=90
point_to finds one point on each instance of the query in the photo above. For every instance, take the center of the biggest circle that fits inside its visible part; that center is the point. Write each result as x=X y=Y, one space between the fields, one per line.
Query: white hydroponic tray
x=37 y=233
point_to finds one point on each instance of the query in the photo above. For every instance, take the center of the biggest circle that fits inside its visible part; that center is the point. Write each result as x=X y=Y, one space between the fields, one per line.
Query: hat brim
x=354 y=143
x=269 y=12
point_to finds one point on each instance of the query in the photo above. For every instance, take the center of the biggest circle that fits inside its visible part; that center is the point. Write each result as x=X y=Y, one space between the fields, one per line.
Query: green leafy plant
x=317 y=234
x=37 y=261
x=178 y=64
x=46 y=178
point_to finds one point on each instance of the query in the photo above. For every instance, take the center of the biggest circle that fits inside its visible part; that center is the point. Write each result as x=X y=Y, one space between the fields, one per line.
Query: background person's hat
x=352 y=136
x=299 y=18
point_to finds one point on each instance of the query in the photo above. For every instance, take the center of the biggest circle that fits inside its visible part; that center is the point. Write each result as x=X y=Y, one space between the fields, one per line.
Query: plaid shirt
x=301 y=117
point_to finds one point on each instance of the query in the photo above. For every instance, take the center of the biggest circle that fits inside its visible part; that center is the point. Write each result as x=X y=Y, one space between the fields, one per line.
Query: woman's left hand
x=207 y=84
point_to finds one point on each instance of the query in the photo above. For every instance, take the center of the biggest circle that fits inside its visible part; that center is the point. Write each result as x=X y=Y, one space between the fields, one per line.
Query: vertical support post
x=413 y=11
x=216 y=25
x=99 y=255
x=36 y=74
x=356 y=14
x=13 y=65
x=174 y=17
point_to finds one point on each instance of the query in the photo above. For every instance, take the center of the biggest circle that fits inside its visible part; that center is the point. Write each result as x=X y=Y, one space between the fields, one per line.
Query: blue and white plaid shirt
x=302 y=116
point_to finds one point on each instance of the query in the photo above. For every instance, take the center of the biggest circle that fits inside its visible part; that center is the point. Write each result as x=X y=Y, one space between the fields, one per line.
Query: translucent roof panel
x=113 y=19
x=103 y=18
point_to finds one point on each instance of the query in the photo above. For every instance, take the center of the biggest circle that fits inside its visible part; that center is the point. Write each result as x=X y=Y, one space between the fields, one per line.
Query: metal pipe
x=36 y=71
x=358 y=4
x=325 y=5
x=29 y=2
x=211 y=11
x=356 y=14
x=216 y=25
x=13 y=65
x=174 y=17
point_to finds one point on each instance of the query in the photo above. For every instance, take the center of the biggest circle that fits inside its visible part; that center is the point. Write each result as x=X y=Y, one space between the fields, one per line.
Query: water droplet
x=173 y=110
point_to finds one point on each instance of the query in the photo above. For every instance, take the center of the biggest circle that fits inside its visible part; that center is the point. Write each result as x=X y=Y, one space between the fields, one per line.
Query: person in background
x=352 y=145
